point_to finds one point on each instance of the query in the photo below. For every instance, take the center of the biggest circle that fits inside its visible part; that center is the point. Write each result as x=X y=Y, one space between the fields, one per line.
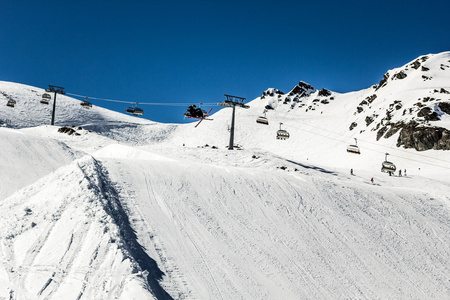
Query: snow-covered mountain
x=126 y=208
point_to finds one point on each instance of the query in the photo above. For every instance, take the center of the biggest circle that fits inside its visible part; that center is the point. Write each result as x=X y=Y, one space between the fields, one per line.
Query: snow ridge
x=55 y=243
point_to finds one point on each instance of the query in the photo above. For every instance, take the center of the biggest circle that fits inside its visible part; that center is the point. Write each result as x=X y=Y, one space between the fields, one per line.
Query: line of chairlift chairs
x=386 y=166
x=282 y=134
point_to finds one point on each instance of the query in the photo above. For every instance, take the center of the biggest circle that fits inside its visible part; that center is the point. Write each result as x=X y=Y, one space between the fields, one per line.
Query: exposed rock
x=271 y=92
x=444 y=91
x=415 y=65
x=381 y=132
x=399 y=75
x=425 y=69
x=393 y=130
x=383 y=81
x=324 y=92
x=364 y=102
x=66 y=130
x=371 y=98
x=353 y=125
x=424 y=138
x=359 y=109
x=428 y=114
x=369 y=120
x=444 y=107
x=302 y=89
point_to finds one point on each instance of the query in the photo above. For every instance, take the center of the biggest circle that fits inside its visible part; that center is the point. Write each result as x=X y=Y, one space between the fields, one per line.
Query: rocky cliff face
x=421 y=138
x=410 y=104
x=412 y=101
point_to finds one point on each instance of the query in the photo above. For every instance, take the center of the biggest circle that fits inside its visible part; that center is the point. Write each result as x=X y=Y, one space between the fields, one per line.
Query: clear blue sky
x=195 y=51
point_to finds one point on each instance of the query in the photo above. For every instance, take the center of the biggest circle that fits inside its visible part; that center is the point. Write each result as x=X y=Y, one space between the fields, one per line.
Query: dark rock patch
x=302 y=89
x=428 y=114
x=324 y=92
x=444 y=107
x=383 y=81
x=400 y=75
x=415 y=65
x=381 y=132
x=369 y=120
x=424 y=138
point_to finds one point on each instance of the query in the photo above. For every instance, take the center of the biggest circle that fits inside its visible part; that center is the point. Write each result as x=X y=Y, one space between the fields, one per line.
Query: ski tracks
x=174 y=282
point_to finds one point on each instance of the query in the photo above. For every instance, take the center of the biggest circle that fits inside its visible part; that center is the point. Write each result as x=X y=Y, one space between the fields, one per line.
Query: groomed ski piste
x=133 y=209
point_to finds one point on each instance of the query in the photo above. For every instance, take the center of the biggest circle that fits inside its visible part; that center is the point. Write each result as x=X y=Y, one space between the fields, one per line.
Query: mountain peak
x=302 y=89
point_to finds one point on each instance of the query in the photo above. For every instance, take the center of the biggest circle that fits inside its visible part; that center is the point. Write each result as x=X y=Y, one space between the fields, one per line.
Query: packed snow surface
x=127 y=208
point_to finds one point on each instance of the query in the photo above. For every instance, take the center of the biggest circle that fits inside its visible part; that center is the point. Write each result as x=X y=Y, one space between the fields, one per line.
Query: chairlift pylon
x=282 y=134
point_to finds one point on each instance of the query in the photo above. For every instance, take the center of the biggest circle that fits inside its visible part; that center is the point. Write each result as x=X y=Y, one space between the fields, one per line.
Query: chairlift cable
x=142 y=103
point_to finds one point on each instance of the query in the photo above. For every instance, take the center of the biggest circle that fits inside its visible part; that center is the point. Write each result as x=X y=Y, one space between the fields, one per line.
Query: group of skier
x=390 y=174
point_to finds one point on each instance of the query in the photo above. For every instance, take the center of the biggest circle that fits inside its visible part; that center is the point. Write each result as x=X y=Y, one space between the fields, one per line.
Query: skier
x=351 y=171
x=192 y=110
x=404 y=172
x=400 y=173
x=371 y=180
x=199 y=113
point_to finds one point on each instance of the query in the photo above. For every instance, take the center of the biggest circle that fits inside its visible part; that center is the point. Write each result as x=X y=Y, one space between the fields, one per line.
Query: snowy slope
x=28 y=111
x=132 y=209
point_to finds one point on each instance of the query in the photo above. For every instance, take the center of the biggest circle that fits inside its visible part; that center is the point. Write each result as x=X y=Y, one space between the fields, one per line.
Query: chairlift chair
x=263 y=119
x=45 y=98
x=387 y=166
x=11 y=103
x=85 y=103
x=130 y=110
x=354 y=148
x=138 y=111
x=282 y=134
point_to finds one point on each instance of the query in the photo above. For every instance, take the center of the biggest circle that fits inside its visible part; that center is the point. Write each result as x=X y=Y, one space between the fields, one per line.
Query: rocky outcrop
x=428 y=114
x=444 y=107
x=399 y=75
x=302 y=89
x=324 y=92
x=383 y=81
x=424 y=138
x=271 y=93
